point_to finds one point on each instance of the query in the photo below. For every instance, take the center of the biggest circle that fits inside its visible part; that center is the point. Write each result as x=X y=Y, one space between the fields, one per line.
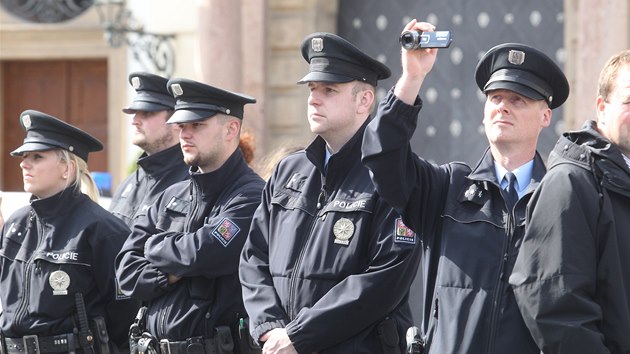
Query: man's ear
x=366 y=98
x=233 y=127
x=600 y=106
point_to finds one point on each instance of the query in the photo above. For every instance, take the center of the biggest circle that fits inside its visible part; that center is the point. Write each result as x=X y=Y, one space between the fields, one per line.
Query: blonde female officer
x=57 y=286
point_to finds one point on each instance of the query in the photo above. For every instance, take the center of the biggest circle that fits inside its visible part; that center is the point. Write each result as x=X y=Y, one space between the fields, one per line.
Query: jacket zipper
x=496 y=297
x=22 y=312
x=164 y=310
x=293 y=286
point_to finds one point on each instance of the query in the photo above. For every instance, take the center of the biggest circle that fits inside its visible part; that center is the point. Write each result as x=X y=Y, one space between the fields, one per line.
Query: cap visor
x=28 y=147
x=516 y=87
x=190 y=116
x=145 y=106
x=324 y=77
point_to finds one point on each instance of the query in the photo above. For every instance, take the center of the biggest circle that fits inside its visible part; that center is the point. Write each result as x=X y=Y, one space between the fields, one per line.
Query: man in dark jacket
x=161 y=163
x=328 y=264
x=471 y=220
x=182 y=256
x=572 y=277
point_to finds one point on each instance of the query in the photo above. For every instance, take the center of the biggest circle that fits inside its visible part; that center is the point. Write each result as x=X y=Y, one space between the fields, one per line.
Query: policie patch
x=403 y=234
x=225 y=231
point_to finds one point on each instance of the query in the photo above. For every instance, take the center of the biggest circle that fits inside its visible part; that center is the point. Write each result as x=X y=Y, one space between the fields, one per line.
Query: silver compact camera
x=411 y=40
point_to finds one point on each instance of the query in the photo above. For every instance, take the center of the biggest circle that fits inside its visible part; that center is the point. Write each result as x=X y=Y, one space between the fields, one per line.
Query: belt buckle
x=165 y=348
x=31 y=344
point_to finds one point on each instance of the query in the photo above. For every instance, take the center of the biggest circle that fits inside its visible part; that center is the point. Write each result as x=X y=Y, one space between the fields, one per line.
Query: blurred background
x=71 y=59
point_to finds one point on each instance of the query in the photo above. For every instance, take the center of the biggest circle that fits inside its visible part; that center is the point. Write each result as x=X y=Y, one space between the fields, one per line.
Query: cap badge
x=135 y=82
x=26 y=121
x=516 y=57
x=59 y=281
x=71 y=148
x=177 y=90
x=343 y=231
x=317 y=44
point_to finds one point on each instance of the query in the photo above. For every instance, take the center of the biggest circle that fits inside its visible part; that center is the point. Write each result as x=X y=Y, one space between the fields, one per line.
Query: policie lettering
x=73 y=256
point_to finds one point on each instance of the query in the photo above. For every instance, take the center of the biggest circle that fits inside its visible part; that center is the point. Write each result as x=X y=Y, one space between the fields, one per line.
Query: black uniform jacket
x=67 y=232
x=470 y=239
x=139 y=190
x=572 y=277
x=326 y=257
x=195 y=231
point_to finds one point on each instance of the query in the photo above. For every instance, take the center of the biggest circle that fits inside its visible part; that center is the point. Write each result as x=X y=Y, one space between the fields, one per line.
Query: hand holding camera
x=414 y=39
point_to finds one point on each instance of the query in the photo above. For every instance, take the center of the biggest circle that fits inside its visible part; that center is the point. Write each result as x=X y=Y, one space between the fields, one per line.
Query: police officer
x=182 y=256
x=471 y=220
x=57 y=284
x=161 y=163
x=328 y=264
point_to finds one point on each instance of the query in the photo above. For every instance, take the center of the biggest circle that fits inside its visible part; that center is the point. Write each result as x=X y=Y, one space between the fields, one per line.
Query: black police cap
x=45 y=132
x=151 y=93
x=524 y=70
x=333 y=59
x=196 y=101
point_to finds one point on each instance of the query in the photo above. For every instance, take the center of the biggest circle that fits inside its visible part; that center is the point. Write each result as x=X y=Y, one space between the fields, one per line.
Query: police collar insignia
x=343 y=231
x=59 y=281
x=473 y=192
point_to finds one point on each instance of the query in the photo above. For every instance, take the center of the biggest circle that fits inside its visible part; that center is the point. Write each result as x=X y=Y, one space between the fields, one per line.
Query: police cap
x=45 y=132
x=333 y=59
x=524 y=70
x=151 y=94
x=196 y=101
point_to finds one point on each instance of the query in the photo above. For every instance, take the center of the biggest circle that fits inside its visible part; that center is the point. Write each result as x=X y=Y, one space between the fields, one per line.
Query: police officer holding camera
x=182 y=257
x=471 y=219
x=57 y=281
x=328 y=263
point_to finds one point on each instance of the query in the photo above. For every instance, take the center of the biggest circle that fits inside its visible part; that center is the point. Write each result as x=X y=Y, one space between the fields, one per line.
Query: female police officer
x=57 y=284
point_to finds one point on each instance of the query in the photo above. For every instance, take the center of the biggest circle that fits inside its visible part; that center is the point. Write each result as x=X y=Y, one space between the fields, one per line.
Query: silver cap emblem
x=317 y=44
x=135 y=82
x=516 y=57
x=177 y=90
x=26 y=121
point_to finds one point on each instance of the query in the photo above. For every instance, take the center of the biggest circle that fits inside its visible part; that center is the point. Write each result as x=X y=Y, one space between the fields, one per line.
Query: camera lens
x=410 y=40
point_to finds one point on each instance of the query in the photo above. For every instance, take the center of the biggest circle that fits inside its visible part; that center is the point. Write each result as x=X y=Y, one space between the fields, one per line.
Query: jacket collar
x=213 y=183
x=350 y=152
x=155 y=164
x=58 y=204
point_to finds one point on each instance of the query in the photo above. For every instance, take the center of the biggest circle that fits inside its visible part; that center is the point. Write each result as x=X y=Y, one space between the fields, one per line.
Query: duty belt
x=33 y=344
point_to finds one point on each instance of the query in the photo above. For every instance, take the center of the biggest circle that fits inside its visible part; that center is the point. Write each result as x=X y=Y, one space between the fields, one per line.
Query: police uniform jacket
x=140 y=190
x=64 y=236
x=470 y=239
x=326 y=257
x=572 y=277
x=195 y=231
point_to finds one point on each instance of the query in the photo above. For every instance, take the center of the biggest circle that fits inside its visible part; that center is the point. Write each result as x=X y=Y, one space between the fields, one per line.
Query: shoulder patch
x=403 y=234
x=226 y=231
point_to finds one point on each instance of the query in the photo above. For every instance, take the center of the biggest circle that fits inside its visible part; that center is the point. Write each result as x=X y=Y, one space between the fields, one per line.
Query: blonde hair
x=609 y=73
x=83 y=181
x=268 y=163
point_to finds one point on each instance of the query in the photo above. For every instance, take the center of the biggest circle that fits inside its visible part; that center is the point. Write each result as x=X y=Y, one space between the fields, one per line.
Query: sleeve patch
x=403 y=234
x=225 y=231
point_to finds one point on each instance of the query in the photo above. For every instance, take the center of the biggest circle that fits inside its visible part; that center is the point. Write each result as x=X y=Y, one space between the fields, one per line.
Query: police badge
x=343 y=231
x=59 y=281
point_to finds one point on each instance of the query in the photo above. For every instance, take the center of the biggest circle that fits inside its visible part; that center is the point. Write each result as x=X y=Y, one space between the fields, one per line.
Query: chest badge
x=473 y=192
x=343 y=231
x=59 y=281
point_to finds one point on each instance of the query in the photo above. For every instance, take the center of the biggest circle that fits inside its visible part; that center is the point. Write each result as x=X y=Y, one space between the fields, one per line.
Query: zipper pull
x=321 y=198
x=435 y=309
